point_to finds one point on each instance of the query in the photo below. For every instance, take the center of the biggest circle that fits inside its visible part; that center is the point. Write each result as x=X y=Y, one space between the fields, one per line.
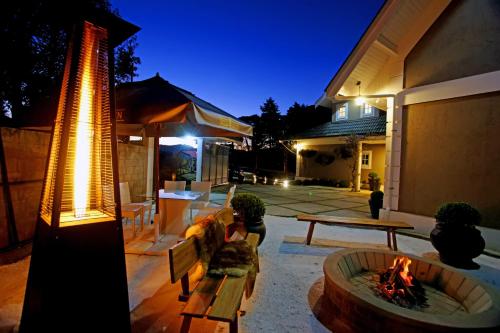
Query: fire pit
x=454 y=301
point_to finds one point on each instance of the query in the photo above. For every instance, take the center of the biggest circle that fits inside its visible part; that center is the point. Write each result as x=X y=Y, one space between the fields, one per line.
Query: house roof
x=377 y=60
x=361 y=126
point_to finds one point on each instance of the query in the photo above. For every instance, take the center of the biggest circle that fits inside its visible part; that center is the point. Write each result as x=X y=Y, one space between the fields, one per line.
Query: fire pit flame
x=397 y=285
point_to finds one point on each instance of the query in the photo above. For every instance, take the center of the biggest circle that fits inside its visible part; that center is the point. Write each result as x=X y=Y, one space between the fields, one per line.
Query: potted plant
x=376 y=200
x=455 y=236
x=374 y=181
x=251 y=209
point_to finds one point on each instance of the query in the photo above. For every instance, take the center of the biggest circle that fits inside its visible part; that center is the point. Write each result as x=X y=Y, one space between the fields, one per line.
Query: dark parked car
x=246 y=175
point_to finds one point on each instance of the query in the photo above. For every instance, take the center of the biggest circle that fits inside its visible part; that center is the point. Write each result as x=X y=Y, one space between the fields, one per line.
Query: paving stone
x=362 y=200
x=332 y=195
x=278 y=200
x=339 y=203
x=308 y=207
x=365 y=209
x=280 y=211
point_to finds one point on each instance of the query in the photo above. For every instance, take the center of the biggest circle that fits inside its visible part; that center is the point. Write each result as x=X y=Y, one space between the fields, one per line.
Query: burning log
x=397 y=285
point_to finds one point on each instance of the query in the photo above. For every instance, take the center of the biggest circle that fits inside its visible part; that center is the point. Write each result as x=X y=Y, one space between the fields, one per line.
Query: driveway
x=295 y=200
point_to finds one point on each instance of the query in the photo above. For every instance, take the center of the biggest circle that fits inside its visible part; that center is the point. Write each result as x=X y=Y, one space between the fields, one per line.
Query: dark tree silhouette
x=271 y=124
x=126 y=62
x=34 y=35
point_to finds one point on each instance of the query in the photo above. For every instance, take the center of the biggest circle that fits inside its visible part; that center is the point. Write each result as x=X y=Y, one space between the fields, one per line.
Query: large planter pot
x=375 y=206
x=457 y=245
x=257 y=227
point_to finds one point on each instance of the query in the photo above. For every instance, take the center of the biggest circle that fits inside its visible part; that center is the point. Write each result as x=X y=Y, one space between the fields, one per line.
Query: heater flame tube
x=84 y=137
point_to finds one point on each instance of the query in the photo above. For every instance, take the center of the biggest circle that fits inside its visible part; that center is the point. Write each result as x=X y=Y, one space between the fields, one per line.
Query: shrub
x=377 y=195
x=458 y=213
x=308 y=153
x=250 y=206
x=343 y=183
x=297 y=182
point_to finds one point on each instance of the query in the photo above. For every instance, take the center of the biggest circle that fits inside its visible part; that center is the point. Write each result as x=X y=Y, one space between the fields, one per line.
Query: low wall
x=26 y=153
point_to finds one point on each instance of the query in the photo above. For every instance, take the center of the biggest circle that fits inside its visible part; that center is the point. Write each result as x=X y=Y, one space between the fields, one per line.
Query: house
x=326 y=141
x=434 y=66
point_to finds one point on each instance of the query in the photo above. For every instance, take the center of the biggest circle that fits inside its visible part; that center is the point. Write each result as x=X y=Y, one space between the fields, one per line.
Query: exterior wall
x=26 y=154
x=338 y=170
x=450 y=153
x=354 y=111
x=378 y=161
x=464 y=41
x=132 y=168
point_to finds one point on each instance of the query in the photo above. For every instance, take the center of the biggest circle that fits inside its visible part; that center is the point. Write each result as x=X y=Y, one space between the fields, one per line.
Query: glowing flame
x=405 y=273
x=81 y=177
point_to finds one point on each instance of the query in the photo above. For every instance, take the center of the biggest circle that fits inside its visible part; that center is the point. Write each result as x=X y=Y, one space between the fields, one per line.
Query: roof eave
x=366 y=40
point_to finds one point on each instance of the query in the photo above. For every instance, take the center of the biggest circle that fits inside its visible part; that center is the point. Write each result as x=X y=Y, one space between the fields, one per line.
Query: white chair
x=173 y=186
x=212 y=210
x=133 y=209
x=202 y=201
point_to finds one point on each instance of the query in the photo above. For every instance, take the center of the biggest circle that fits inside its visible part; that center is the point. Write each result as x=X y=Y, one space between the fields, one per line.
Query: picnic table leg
x=310 y=233
x=394 y=242
x=389 y=238
x=233 y=326
x=186 y=322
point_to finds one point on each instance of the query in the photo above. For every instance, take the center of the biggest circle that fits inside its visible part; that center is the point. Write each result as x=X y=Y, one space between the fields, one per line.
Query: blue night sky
x=236 y=54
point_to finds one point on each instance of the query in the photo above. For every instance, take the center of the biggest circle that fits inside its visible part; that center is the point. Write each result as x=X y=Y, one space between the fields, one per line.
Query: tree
x=254 y=120
x=271 y=124
x=34 y=35
x=350 y=151
x=126 y=62
x=300 y=118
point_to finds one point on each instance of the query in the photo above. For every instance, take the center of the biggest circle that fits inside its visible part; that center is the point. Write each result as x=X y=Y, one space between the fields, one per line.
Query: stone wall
x=26 y=153
x=132 y=168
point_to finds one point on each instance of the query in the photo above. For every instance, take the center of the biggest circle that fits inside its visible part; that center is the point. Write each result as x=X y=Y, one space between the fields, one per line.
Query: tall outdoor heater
x=77 y=279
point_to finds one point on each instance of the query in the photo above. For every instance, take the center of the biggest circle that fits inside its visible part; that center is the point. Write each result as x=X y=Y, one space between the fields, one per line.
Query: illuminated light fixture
x=360 y=100
x=77 y=270
x=174 y=141
x=298 y=146
x=286 y=183
x=135 y=138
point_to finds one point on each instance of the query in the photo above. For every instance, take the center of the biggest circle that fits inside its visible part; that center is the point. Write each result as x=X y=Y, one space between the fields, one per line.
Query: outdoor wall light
x=360 y=100
x=77 y=278
x=285 y=183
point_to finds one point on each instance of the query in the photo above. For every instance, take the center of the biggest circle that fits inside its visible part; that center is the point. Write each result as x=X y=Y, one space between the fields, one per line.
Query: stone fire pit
x=456 y=301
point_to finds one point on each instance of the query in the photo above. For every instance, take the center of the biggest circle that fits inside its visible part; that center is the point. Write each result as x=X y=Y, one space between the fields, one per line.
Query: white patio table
x=173 y=210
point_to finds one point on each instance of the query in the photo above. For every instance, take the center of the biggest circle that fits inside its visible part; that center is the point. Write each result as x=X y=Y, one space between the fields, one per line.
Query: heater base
x=77 y=280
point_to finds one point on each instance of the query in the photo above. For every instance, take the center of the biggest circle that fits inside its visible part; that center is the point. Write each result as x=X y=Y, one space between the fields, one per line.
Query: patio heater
x=77 y=279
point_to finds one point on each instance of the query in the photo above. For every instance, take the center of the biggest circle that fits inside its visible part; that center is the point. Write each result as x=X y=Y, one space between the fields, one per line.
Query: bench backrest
x=182 y=257
x=185 y=254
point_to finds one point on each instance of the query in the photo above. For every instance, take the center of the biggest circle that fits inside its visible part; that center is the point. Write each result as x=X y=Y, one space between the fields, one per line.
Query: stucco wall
x=26 y=153
x=450 y=152
x=338 y=170
x=378 y=161
x=464 y=41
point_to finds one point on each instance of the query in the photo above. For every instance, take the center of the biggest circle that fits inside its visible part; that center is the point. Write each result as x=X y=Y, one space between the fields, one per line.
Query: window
x=341 y=111
x=366 y=110
x=366 y=159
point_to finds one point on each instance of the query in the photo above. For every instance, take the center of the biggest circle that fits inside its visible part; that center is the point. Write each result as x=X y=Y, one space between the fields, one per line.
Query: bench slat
x=252 y=239
x=182 y=257
x=202 y=297
x=228 y=299
x=353 y=221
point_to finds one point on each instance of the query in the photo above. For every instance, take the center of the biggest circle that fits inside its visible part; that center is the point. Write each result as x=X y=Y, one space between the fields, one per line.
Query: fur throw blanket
x=218 y=257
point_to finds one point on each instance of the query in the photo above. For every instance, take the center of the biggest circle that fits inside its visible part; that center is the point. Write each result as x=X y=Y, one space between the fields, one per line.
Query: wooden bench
x=389 y=226
x=213 y=298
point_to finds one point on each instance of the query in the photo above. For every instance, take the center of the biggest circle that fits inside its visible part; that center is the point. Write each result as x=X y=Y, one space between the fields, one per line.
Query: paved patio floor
x=294 y=200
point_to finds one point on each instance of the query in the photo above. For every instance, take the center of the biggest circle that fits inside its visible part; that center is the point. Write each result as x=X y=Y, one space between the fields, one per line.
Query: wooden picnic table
x=389 y=226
